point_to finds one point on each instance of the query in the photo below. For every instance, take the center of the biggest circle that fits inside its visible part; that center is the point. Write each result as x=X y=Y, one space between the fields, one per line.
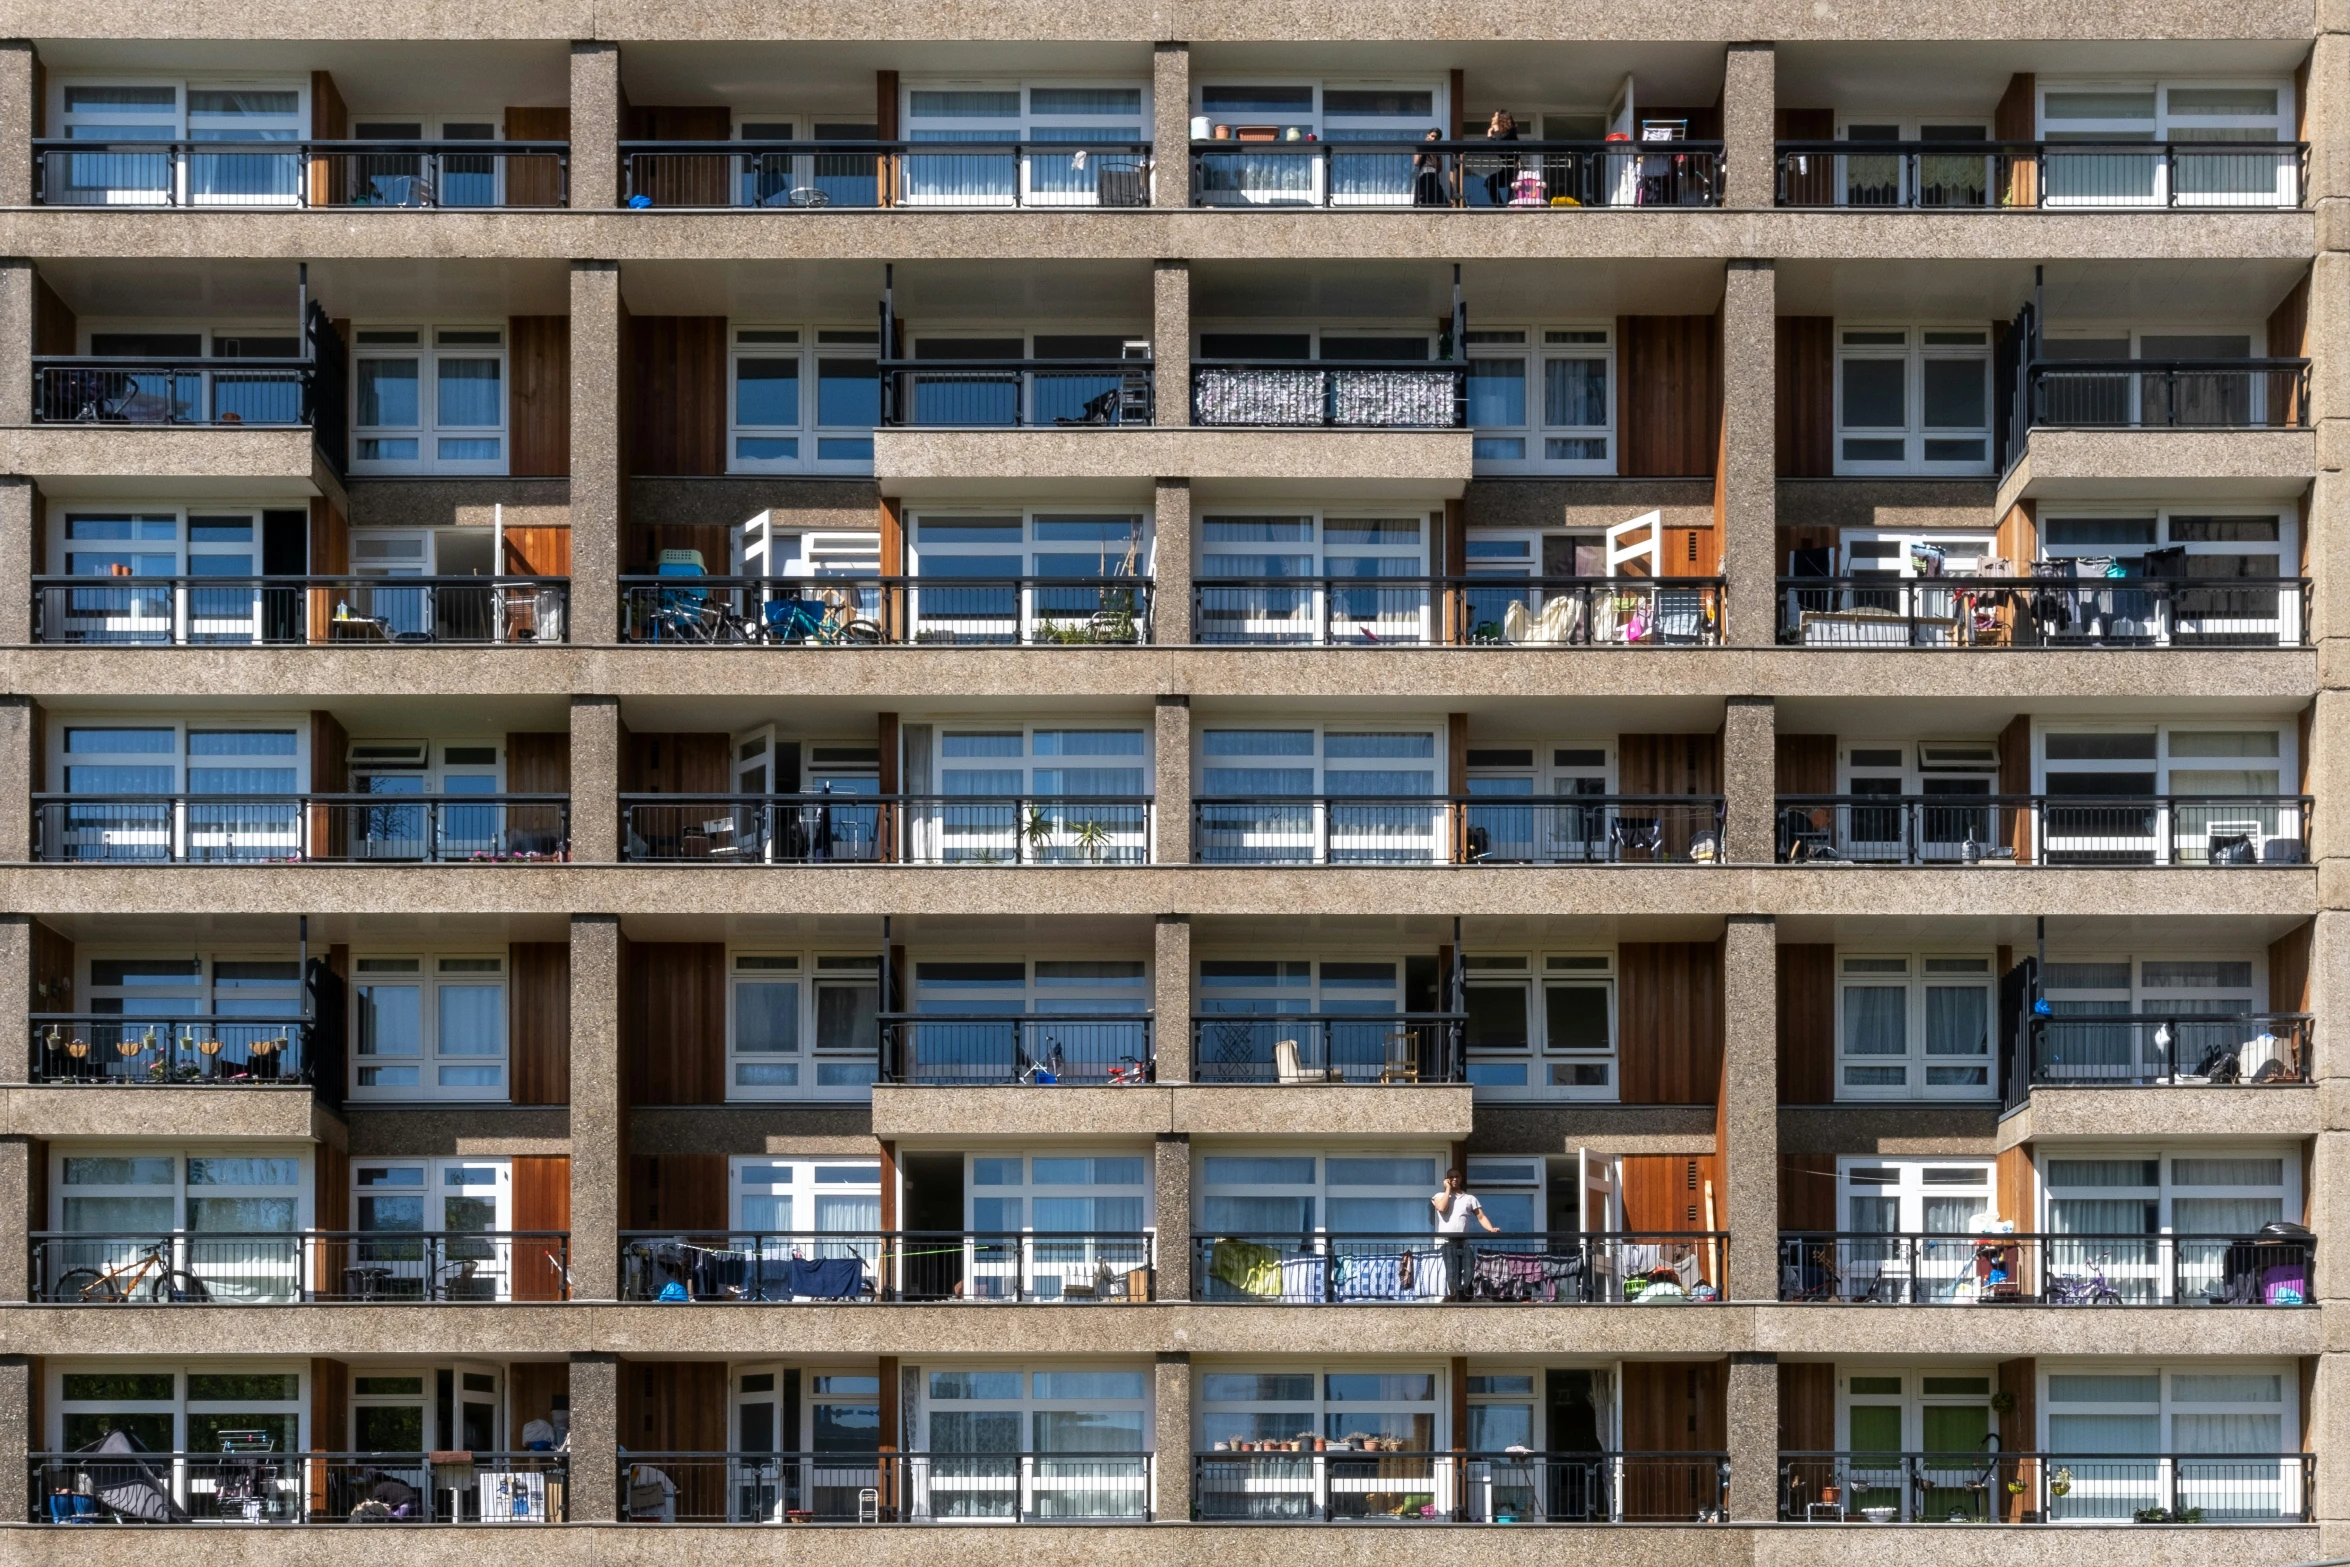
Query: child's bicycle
x=2070 y=1289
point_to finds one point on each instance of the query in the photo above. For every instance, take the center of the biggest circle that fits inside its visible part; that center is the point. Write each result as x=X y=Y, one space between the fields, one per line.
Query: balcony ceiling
x=2078 y=293
x=1421 y=291
x=230 y=289
x=1054 y=295
x=364 y=717
x=182 y=931
x=1904 y=80
x=478 y=78
x=1951 y=717
x=1112 y=935
x=2067 y=933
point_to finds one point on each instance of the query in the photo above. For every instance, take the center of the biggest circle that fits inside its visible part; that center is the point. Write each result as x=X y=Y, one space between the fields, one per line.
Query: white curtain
x=922 y=844
x=2227 y=1433
x=2097 y=1435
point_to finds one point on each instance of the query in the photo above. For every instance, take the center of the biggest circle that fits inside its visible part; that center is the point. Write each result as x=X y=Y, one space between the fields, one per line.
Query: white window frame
x=2101 y=1496
x=430 y=1272
x=1918 y=346
x=1299 y=180
x=441 y=128
x=182 y=1478
x=1909 y=127
x=1316 y=1411
x=1534 y=347
x=1915 y=980
x=1587 y=1074
x=189 y=830
x=1319 y=1191
x=1913 y=1400
x=2144 y=1274
x=802 y=1181
x=179 y=124
x=429 y=1063
x=427 y=1399
x=1032 y=608
x=1390 y=840
x=816 y=447
x=212 y=617
x=2163 y=126
x=1025 y=124
x=256 y=1267
x=2259 y=822
x=855 y=1069
x=428 y=351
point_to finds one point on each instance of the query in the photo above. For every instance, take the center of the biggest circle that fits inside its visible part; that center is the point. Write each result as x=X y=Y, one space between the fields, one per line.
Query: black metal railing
x=258 y=829
x=299 y=611
x=977 y=1050
x=1568 y=611
x=227 y=392
x=2044 y=829
x=2055 y=608
x=915 y=173
x=863 y=829
x=1401 y=394
x=285 y=1267
x=2160 y=394
x=1348 y=1478
x=339 y=174
x=2047 y=1270
x=1460 y=830
x=170 y=1051
x=1319 y=1048
x=1982 y=175
x=851 y=1267
x=1253 y=169
x=2182 y=1049
x=1564 y=1268
x=992 y=394
x=256 y=1484
x=830 y=611
x=885 y=1488
x=2019 y=1488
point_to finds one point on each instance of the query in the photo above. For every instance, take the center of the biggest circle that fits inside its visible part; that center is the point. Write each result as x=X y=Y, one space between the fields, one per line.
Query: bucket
x=1201 y=127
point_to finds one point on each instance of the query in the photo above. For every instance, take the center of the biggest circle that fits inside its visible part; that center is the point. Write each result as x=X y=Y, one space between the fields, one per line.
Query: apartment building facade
x=787 y=769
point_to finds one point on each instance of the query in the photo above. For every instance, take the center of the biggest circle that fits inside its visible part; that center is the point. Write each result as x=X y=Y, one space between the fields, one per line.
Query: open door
x=1603 y=1202
x=1624 y=169
x=1641 y=539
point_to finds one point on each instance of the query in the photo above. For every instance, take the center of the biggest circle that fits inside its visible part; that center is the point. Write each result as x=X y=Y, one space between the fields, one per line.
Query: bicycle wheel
x=88 y=1284
x=177 y=1288
x=861 y=633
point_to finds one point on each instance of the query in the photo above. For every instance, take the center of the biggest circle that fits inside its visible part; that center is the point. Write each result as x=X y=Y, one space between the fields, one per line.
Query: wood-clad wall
x=1664 y=1192
x=1669 y=1022
x=2015 y=777
x=1806 y=388
x=1807 y=1191
x=677 y=405
x=537 y=552
x=55 y=329
x=678 y=1406
x=538 y=1021
x=677 y=1191
x=538 y=762
x=673 y=1022
x=2288 y=338
x=538 y=395
x=1807 y=1023
x=677 y=764
x=532 y=1386
x=1806 y=764
x=330 y=1420
x=542 y=1201
x=1807 y=1406
x=535 y=182
x=1669 y=764
x=2288 y=970
x=53 y=970
x=1668 y=396
x=1675 y=1406
x=2014 y=1187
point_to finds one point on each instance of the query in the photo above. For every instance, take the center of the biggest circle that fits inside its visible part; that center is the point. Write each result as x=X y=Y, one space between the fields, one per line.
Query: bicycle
x=112 y=1286
x=2073 y=1290
x=1128 y=1073
x=794 y=620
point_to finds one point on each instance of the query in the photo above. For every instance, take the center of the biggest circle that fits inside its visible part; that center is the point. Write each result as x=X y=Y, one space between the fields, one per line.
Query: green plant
x=2003 y=1402
x=1092 y=838
x=2060 y=1483
x=1039 y=828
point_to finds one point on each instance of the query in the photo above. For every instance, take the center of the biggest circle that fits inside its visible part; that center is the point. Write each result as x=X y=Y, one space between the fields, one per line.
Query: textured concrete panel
x=1555 y=1129
x=844 y=1131
x=2156 y=1113
x=598 y=1114
x=1172 y=775
x=1750 y=551
x=1171 y=996
x=125 y=451
x=2080 y=464
x=596 y=106
x=474 y=1131
x=279 y=1114
x=904 y=1113
x=595 y=780
x=1434 y=463
x=598 y=490
x=1172 y=555
x=1750 y=1116
x=460 y=503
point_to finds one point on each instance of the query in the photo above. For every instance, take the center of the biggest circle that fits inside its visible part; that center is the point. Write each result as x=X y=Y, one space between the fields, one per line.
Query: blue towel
x=828 y=1278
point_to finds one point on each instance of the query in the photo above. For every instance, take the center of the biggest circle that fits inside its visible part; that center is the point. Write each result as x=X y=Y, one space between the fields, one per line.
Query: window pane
x=470 y=393
x=389 y=1020
x=473 y=1020
x=387 y=393
x=767 y=392
x=767 y=1018
x=1574 y=392
x=1497 y=392
x=1876 y=1020
x=1957 y=1020
x=1874 y=394
x=1577 y=1017
x=1955 y=393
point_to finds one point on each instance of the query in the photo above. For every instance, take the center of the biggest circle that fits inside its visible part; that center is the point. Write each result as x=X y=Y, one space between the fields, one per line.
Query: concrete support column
x=598 y=486
x=599 y=1119
x=2328 y=549
x=595 y=125
x=1171 y=1195
x=19 y=113
x=1748 y=1120
x=2329 y=765
x=17 y=1436
x=17 y=286
x=1171 y=996
x=17 y=1219
x=1171 y=341
x=2329 y=1194
x=592 y=1493
x=16 y=995
x=595 y=780
x=2328 y=111
x=1750 y=778
x=17 y=1154
x=1174 y=783
x=1171 y=125
x=1171 y=1478
x=1750 y=86
x=18 y=714
x=16 y=555
x=1753 y=1420
x=1171 y=557
x=1749 y=480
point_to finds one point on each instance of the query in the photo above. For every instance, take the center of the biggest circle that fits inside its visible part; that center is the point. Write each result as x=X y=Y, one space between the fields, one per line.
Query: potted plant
x=2060 y=1483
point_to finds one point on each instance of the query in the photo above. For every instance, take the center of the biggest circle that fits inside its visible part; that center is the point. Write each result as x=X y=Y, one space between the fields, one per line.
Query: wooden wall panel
x=1807 y=1023
x=538 y=1021
x=2017 y=118
x=538 y=762
x=53 y=972
x=1668 y=396
x=677 y=1191
x=673 y=1023
x=537 y=552
x=330 y=1420
x=1806 y=764
x=1807 y=1406
x=1675 y=1406
x=677 y=409
x=2015 y=1188
x=55 y=331
x=1664 y=1191
x=2288 y=970
x=677 y=764
x=1815 y=185
x=542 y=1201
x=2018 y=537
x=538 y=395
x=1669 y=764
x=1806 y=389
x=532 y=1387
x=1669 y=1022
x=2015 y=777
x=1807 y=1191
x=536 y=182
x=2019 y=1427
x=678 y=1406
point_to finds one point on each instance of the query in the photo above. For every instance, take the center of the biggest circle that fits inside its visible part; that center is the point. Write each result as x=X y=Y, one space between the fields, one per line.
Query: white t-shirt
x=1457 y=1221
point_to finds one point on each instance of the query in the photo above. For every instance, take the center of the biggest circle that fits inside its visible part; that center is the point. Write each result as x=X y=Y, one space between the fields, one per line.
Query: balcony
x=88 y=1048
x=409 y=175
x=841 y=611
x=1320 y=1480
x=986 y=1050
x=1461 y=830
x=300 y=611
x=2047 y=1270
x=926 y=1266
x=2056 y=609
x=2010 y=176
x=1398 y=1049
x=221 y=392
x=116 y=1481
x=2046 y=1488
x=1482 y=611
x=1564 y=1268
x=1400 y=394
x=351 y=829
x=1254 y=171
x=875 y=829
x=1012 y=394
x=2202 y=831
x=886 y=1488
x=958 y=175
x=287 y=1267
x=2253 y=1049
x=2159 y=394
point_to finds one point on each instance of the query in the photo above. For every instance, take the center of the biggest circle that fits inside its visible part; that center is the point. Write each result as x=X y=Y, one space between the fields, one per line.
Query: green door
x=1958 y=1469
